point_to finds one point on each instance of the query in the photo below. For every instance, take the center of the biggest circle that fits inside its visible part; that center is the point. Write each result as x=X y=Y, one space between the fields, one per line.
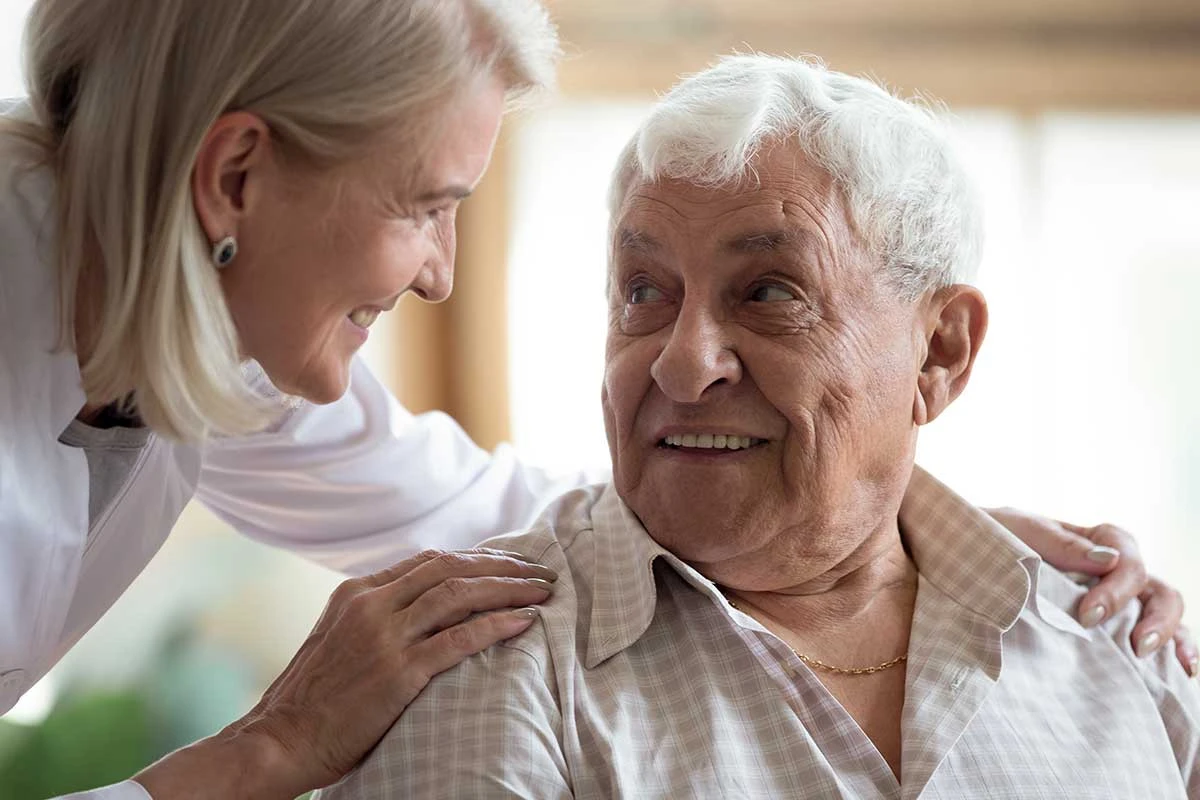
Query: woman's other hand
x=1110 y=554
x=377 y=644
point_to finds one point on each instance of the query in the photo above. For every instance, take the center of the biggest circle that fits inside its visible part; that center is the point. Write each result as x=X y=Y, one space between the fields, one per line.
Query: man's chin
x=700 y=533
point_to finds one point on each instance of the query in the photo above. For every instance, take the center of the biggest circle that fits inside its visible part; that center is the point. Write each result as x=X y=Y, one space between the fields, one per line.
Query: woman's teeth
x=711 y=441
x=363 y=317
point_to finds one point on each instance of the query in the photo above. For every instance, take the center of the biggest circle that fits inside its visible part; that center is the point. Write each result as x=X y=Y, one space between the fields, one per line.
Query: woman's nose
x=435 y=281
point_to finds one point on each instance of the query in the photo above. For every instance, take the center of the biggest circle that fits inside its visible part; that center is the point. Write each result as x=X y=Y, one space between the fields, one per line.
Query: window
x=12 y=21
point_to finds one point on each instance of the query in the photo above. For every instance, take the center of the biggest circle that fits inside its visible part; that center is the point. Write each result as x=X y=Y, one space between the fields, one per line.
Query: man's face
x=760 y=370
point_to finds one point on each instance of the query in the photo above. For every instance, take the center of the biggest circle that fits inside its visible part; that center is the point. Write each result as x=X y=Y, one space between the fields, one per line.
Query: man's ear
x=221 y=185
x=957 y=318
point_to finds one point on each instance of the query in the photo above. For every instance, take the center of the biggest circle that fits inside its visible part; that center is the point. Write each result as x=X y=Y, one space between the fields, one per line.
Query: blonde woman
x=204 y=204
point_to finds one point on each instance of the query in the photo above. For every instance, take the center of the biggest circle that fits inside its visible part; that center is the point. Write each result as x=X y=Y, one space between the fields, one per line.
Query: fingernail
x=527 y=613
x=1148 y=643
x=541 y=584
x=1194 y=666
x=1092 y=616
x=546 y=573
x=1103 y=555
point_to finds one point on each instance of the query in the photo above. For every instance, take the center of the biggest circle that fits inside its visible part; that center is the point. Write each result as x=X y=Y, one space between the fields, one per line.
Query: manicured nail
x=1194 y=666
x=1092 y=616
x=541 y=584
x=1148 y=643
x=528 y=613
x=545 y=572
x=1103 y=555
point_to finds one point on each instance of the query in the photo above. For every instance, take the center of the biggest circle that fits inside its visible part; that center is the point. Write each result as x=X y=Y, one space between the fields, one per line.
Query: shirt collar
x=965 y=553
x=957 y=547
x=624 y=592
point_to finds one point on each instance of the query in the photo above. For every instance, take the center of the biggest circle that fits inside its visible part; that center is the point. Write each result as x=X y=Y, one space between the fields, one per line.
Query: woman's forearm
x=232 y=764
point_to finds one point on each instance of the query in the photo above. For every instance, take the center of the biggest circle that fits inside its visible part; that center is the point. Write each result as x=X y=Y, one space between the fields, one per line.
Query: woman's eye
x=439 y=213
x=771 y=293
x=644 y=294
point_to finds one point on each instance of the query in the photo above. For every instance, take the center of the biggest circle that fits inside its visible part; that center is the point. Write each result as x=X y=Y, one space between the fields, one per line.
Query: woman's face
x=322 y=253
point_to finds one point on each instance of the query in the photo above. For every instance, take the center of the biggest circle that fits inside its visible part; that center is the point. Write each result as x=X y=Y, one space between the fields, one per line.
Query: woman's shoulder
x=31 y=363
x=26 y=209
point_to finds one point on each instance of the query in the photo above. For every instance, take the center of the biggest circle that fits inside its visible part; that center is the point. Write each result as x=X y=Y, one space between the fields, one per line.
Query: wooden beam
x=477 y=312
x=701 y=15
x=421 y=347
x=453 y=357
x=1020 y=54
x=1021 y=75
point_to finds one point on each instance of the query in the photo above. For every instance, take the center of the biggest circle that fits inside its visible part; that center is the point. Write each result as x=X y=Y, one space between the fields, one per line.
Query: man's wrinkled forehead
x=783 y=214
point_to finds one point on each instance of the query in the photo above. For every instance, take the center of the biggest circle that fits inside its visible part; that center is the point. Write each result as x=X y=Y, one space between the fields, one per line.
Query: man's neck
x=877 y=579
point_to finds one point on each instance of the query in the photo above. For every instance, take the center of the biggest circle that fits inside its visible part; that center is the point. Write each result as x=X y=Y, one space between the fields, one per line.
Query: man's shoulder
x=565 y=538
x=1058 y=597
x=553 y=537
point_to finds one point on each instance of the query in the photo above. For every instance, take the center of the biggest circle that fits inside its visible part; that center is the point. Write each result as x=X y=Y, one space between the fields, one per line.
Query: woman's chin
x=318 y=389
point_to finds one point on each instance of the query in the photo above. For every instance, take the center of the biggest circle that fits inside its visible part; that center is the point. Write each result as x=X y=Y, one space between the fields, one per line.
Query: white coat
x=355 y=485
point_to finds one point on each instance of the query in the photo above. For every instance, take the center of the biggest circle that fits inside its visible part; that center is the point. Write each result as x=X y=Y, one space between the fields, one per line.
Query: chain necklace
x=814 y=663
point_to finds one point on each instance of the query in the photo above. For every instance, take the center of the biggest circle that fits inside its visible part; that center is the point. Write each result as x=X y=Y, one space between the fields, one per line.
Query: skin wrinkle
x=305 y=262
x=813 y=440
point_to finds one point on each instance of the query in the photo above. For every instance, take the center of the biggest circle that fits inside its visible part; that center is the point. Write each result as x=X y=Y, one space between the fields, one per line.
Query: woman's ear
x=221 y=180
x=957 y=318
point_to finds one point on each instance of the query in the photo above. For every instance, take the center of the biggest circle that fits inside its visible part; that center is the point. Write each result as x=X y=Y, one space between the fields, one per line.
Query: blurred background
x=1081 y=120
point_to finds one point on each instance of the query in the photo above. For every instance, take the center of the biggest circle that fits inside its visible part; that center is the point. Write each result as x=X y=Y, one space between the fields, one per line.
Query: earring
x=224 y=252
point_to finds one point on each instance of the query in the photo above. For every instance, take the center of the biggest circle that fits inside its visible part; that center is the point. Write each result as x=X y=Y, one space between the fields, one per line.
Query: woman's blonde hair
x=124 y=92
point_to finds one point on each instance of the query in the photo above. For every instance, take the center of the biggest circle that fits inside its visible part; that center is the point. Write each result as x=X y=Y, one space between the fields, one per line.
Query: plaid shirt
x=642 y=681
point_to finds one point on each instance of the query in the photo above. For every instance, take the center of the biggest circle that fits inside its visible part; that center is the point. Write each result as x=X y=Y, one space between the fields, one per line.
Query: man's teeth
x=712 y=441
x=363 y=317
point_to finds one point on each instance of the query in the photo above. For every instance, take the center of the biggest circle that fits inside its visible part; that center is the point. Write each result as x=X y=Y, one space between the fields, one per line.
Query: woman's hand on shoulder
x=378 y=643
x=1110 y=554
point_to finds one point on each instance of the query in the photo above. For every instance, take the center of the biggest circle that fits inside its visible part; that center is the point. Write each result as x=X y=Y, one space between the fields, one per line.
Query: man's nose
x=696 y=357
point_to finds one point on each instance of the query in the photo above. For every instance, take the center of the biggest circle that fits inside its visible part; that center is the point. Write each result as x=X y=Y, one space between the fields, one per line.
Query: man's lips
x=711 y=438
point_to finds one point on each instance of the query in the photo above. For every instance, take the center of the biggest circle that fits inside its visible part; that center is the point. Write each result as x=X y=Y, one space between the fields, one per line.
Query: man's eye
x=771 y=293
x=644 y=294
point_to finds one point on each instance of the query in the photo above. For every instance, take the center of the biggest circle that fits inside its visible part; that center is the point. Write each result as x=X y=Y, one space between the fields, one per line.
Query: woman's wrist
x=235 y=763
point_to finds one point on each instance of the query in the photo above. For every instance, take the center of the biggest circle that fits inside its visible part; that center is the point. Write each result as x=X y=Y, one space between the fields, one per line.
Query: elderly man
x=770 y=600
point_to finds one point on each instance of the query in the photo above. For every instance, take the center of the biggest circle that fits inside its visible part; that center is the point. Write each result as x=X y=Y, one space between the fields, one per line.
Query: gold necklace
x=812 y=662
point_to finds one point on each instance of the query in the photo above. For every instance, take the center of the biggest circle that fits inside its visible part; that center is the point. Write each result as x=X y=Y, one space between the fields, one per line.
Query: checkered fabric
x=642 y=681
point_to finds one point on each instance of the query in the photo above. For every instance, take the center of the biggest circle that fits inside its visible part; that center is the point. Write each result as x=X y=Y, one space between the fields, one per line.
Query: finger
x=1162 y=611
x=1066 y=547
x=455 y=599
x=407 y=587
x=1186 y=652
x=1120 y=586
x=1074 y=550
x=400 y=568
x=442 y=651
x=389 y=574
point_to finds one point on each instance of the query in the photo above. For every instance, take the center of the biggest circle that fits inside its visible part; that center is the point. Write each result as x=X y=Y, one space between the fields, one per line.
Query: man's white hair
x=909 y=198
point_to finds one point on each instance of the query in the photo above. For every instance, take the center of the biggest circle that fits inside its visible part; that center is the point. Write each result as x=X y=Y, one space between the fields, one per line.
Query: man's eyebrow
x=456 y=192
x=763 y=242
x=637 y=241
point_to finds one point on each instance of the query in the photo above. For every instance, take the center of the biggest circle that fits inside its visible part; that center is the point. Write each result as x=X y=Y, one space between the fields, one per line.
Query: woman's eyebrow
x=455 y=192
